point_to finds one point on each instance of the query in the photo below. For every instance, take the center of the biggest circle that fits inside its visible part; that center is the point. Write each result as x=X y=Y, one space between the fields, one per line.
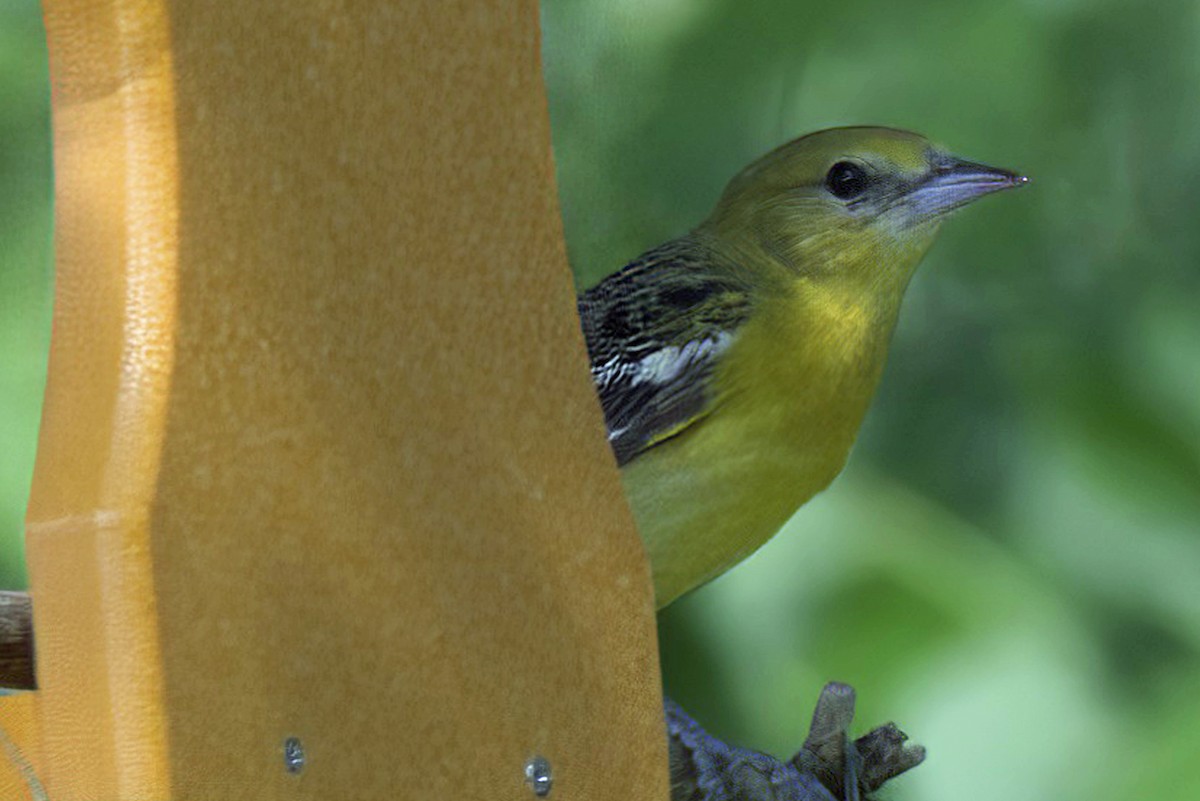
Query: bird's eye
x=846 y=180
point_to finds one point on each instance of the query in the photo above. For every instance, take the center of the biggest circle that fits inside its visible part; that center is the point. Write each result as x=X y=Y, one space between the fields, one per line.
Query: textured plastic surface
x=320 y=457
x=19 y=741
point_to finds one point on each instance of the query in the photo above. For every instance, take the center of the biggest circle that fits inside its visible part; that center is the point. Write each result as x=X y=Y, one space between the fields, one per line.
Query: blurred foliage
x=1010 y=565
x=26 y=282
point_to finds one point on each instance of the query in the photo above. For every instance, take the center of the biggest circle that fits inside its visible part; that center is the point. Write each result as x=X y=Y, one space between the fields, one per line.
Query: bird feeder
x=323 y=506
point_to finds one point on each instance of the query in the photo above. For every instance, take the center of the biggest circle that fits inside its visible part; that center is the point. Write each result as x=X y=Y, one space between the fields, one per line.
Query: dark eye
x=846 y=180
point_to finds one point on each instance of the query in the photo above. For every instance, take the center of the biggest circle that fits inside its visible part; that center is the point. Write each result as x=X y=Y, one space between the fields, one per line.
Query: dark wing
x=654 y=331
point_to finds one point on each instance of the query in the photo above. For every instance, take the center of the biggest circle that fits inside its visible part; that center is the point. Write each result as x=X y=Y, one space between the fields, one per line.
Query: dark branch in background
x=829 y=766
x=16 y=642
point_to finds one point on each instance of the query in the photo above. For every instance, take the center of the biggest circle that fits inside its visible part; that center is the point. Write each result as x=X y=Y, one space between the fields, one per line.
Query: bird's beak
x=952 y=183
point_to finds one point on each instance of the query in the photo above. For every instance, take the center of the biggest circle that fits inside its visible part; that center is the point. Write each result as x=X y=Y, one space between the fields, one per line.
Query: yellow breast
x=793 y=390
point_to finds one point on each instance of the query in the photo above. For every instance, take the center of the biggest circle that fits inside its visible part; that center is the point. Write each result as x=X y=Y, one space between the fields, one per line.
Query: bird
x=734 y=364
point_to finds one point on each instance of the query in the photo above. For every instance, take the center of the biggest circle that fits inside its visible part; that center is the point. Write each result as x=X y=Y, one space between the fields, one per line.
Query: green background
x=26 y=254
x=1010 y=565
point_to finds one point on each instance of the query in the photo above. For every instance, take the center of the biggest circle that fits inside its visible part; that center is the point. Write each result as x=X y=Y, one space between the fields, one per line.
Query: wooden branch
x=16 y=642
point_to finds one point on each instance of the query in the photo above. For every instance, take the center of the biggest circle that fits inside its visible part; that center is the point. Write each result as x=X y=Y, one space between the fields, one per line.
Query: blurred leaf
x=25 y=265
x=1012 y=559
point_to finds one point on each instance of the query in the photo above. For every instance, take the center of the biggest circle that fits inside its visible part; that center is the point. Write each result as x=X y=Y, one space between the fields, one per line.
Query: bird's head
x=859 y=203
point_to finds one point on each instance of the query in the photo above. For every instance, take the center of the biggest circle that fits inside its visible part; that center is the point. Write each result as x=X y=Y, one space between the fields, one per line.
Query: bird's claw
x=885 y=755
x=850 y=768
x=829 y=766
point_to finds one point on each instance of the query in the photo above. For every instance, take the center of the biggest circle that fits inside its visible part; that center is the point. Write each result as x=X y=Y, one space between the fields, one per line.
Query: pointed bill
x=953 y=183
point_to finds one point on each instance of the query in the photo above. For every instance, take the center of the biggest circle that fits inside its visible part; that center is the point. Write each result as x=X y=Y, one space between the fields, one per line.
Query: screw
x=293 y=755
x=538 y=776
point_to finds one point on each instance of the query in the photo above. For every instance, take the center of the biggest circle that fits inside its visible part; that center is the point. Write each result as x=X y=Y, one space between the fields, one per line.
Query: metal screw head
x=539 y=776
x=293 y=755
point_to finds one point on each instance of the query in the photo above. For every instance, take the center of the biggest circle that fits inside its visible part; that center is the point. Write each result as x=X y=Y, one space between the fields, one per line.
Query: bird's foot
x=829 y=766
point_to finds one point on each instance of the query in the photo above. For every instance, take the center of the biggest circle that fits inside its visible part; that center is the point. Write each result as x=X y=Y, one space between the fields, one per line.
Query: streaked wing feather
x=655 y=331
